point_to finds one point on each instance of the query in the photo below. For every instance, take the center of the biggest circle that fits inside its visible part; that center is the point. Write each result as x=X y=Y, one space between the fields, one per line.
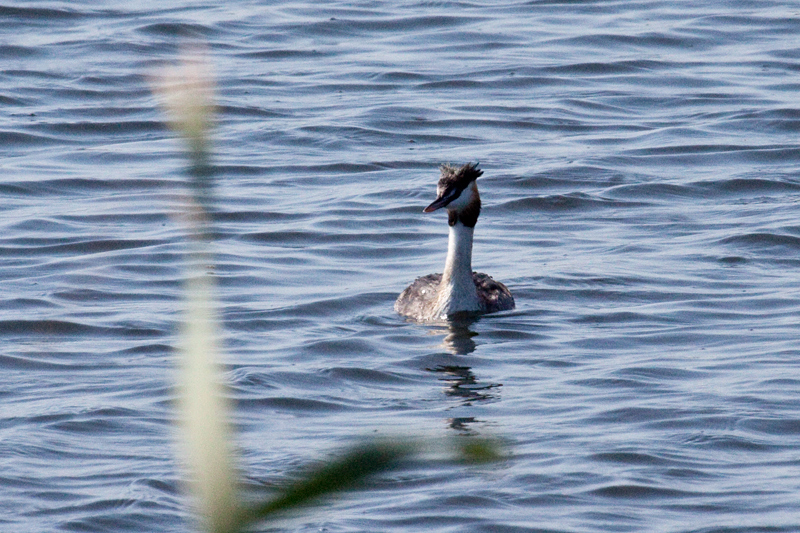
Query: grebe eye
x=452 y=193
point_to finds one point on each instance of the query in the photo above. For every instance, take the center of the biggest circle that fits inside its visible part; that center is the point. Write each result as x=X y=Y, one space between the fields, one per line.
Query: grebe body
x=458 y=289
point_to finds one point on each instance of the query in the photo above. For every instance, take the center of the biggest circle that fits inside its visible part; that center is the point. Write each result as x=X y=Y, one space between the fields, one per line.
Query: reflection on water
x=458 y=335
x=461 y=424
x=462 y=384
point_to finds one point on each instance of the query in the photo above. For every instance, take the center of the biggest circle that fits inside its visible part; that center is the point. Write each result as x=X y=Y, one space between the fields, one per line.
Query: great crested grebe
x=458 y=289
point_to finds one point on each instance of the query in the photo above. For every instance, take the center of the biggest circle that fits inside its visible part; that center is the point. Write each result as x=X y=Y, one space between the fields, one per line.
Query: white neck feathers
x=457 y=291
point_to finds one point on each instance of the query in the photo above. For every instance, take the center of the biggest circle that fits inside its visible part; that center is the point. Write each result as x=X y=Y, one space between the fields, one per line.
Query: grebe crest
x=458 y=289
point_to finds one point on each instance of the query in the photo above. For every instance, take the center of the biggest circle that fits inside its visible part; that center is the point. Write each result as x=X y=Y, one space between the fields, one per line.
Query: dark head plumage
x=459 y=177
x=452 y=183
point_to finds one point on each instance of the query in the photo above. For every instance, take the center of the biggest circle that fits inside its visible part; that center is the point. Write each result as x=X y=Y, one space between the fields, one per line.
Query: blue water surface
x=641 y=198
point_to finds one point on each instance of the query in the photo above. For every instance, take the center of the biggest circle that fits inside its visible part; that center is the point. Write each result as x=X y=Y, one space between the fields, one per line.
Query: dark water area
x=641 y=198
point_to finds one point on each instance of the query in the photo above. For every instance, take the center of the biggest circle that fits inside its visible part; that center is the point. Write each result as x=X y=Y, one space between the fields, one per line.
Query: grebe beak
x=437 y=204
x=447 y=196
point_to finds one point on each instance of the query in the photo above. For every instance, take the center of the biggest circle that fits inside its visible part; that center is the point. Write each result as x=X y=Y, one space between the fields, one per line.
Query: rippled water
x=641 y=199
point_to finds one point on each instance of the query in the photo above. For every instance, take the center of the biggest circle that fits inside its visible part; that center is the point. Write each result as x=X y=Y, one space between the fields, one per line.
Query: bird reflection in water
x=462 y=384
x=461 y=381
x=461 y=424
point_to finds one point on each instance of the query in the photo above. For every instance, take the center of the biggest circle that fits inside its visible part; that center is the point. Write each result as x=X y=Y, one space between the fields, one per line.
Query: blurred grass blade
x=341 y=474
x=187 y=96
x=187 y=91
x=204 y=411
x=476 y=450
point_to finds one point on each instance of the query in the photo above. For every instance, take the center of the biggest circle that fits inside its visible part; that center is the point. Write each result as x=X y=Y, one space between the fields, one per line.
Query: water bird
x=458 y=290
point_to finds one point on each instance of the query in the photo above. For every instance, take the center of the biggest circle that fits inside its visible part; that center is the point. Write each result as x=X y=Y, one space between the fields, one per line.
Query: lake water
x=641 y=200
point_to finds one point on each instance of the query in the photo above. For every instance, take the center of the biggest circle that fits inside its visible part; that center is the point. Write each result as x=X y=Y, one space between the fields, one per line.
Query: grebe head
x=458 y=192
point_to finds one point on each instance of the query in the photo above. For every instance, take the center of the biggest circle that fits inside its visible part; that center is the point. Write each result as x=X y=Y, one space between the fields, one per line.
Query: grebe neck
x=458 y=266
x=457 y=291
